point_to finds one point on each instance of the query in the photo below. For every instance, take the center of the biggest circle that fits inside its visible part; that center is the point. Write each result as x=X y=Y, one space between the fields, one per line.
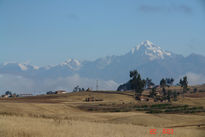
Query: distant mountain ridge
x=150 y=60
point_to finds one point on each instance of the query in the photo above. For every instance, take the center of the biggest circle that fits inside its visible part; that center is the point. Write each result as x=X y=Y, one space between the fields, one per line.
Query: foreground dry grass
x=59 y=116
x=12 y=126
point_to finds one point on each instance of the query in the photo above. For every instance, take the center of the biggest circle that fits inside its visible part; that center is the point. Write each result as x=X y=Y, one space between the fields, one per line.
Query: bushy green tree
x=163 y=83
x=136 y=82
x=76 y=89
x=169 y=81
x=8 y=93
x=149 y=83
x=184 y=84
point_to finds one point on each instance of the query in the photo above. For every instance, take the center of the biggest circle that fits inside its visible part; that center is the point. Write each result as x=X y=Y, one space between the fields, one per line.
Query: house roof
x=61 y=91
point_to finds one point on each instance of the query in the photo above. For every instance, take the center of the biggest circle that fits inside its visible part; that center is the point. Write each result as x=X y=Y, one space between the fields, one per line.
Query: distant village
x=10 y=94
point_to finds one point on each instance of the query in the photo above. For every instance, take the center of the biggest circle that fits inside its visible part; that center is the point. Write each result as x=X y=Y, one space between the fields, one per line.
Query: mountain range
x=149 y=59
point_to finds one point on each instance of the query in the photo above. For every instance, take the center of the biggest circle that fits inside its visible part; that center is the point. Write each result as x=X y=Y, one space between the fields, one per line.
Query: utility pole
x=96 y=85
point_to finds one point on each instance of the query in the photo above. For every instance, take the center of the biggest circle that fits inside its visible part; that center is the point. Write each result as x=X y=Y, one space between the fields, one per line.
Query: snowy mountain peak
x=73 y=64
x=72 y=61
x=147 y=43
x=22 y=66
x=149 y=49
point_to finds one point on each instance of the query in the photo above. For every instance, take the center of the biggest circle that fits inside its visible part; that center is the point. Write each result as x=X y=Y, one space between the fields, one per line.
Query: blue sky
x=44 y=32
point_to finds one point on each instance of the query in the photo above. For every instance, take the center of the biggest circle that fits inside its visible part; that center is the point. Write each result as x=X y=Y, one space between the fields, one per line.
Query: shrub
x=117 y=110
x=154 y=111
x=160 y=105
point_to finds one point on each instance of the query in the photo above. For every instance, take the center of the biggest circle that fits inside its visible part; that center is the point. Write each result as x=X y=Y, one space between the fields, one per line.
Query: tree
x=136 y=82
x=169 y=81
x=50 y=92
x=172 y=81
x=175 y=95
x=163 y=83
x=195 y=90
x=76 y=89
x=184 y=84
x=164 y=92
x=169 y=95
x=124 y=87
x=181 y=82
x=153 y=92
x=149 y=83
x=9 y=93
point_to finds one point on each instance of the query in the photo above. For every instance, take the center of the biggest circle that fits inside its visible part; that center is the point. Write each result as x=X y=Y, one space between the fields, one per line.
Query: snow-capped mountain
x=72 y=64
x=149 y=59
x=151 y=50
x=12 y=67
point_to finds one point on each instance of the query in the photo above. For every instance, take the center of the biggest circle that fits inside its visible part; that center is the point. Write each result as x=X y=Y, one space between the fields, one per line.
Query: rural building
x=60 y=92
x=144 y=98
x=89 y=99
x=5 y=96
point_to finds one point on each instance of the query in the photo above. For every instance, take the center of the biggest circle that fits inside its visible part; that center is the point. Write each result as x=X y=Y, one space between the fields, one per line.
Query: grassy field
x=61 y=116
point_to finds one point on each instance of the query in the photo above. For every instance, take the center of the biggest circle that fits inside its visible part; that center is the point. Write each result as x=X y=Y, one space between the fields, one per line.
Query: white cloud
x=69 y=83
x=17 y=83
x=195 y=79
x=20 y=84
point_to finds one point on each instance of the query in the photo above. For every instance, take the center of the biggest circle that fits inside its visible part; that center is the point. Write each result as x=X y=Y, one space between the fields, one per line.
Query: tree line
x=138 y=84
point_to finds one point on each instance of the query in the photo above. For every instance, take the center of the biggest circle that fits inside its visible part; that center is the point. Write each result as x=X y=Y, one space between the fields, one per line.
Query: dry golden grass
x=12 y=126
x=77 y=97
x=192 y=101
x=59 y=116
